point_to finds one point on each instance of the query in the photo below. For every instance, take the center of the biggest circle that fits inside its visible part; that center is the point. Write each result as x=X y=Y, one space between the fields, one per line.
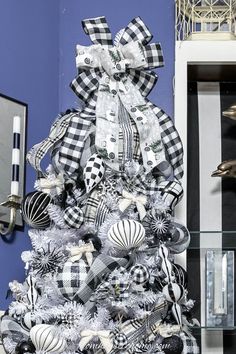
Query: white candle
x=15 y=156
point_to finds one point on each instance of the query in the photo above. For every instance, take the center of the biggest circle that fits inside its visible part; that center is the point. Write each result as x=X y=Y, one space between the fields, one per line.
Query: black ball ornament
x=34 y=209
x=25 y=347
x=172 y=345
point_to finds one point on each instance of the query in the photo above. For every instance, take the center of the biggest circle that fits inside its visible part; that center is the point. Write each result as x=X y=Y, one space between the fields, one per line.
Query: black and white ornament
x=126 y=234
x=70 y=277
x=73 y=216
x=120 y=341
x=34 y=209
x=181 y=276
x=45 y=339
x=25 y=347
x=93 y=172
x=27 y=322
x=139 y=274
x=177 y=238
x=172 y=345
x=46 y=261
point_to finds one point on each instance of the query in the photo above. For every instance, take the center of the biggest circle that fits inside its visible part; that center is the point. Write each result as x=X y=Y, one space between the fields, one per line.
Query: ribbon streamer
x=78 y=251
x=140 y=202
x=104 y=337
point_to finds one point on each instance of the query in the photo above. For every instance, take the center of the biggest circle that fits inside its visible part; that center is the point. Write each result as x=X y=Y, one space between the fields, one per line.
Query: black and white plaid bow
x=133 y=58
x=86 y=83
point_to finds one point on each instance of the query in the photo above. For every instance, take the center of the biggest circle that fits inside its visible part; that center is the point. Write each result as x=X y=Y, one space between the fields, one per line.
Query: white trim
x=196 y=52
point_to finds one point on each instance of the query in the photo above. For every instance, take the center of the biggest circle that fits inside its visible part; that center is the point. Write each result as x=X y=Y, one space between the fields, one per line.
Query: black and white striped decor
x=211 y=202
x=15 y=176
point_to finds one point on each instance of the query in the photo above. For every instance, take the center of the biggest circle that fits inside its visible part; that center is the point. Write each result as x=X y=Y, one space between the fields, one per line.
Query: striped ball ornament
x=173 y=292
x=126 y=234
x=34 y=209
x=45 y=339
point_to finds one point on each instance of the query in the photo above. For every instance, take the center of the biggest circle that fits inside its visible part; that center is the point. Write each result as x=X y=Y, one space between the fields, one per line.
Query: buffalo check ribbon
x=110 y=76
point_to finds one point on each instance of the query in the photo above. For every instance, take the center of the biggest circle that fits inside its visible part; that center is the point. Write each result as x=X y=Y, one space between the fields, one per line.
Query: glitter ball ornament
x=120 y=341
x=34 y=209
x=177 y=238
x=172 y=345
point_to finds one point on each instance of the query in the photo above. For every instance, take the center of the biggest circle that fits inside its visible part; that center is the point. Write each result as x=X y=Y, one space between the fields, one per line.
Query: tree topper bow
x=111 y=76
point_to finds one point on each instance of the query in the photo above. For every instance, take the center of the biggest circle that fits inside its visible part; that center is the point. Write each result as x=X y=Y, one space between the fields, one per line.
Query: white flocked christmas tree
x=101 y=276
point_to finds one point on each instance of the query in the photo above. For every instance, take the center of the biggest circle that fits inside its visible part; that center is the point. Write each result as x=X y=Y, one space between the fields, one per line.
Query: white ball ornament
x=45 y=339
x=126 y=234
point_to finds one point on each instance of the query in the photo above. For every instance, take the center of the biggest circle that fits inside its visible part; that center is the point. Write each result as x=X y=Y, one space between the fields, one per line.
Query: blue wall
x=29 y=70
x=37 y=63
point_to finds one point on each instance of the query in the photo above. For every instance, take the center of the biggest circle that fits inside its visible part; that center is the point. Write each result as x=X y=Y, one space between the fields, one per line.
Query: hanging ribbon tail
x=57 y=132
x=171 y=141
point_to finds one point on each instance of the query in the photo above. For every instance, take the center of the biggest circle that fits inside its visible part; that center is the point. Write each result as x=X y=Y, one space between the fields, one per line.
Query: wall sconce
x=12 y=161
